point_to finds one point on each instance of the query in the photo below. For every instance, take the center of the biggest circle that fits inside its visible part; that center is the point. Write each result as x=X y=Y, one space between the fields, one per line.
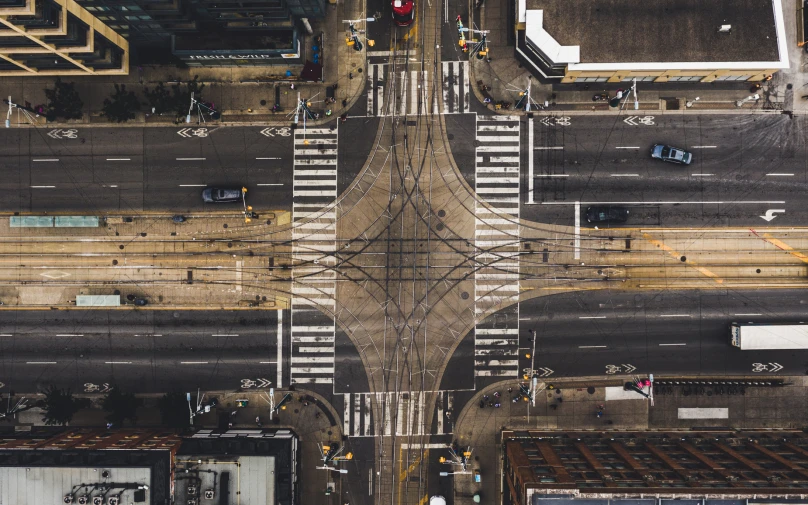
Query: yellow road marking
x=404 y=473
x=782 y=245
x=412 y=33
x=423 y=500
x=678 y=256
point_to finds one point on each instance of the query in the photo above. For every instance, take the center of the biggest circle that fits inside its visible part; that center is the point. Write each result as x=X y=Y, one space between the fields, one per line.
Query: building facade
x=661 y=41
x=697 y=465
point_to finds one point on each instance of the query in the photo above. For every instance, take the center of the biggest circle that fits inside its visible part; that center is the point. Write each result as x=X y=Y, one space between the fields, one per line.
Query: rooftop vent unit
x=98 y=500
x=83 y=499
x=113 y=500
x=209 y=494
x=68 y=498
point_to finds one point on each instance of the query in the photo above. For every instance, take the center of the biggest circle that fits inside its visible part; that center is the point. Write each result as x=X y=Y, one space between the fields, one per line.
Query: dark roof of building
x=621 y=31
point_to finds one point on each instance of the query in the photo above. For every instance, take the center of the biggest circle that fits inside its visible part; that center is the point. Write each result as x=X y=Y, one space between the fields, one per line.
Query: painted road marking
x=711 y=202
x=6 y=335
x=747 y=314
x=670 y=344
x=46 y=159
x=625 y=175
x=268 y=158
x=224 y=335
x=701 y=175
x=42 y=187
x=591 y=347
x=70 y=335
x=577 y=233
x=548 y=148
x=552 y=175
x=117 y=362
x=779 y=175
x=675 y=315
x=627 y=147
x=591 y=317
x=271 y=184
x=190 y=159
x=703 y=147
x=193 y=362
x=678 y=256
x=119 y=159
x=782 y=246
x=193 y=185
x=530 y=159
x=40 y=362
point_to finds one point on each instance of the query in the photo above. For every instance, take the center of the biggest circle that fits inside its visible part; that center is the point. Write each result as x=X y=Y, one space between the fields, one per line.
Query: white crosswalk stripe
x=314 y=190
x=497 y=239
x=401 y=418
x=412 y=91
x=455 y=85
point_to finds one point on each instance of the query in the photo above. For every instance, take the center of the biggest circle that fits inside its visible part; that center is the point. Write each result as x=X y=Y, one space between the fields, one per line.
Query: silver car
x=671 y=154
x=221 y=195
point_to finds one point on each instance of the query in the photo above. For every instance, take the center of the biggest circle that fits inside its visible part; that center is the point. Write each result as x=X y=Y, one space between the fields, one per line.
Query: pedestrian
x=335 y=86
x=497 y=405
x=482 y=404
x=350 y=75
x=510 y=390
x=485 y=397
x=293 y=85
x=486 y=100
x=306 y=403
x=229 y=425
x=233 y=414
x=516 y=399
x=496 y=394
x=343 y=118
x=328 y=112
x=109 y=425
x=600 y=414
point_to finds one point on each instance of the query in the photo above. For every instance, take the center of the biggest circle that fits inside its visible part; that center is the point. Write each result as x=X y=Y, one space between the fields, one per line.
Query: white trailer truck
x=764 y=337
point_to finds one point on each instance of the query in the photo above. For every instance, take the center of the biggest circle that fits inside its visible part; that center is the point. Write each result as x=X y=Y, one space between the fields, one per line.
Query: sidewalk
x=506 y=77
x=243 y=95
x=572 y=405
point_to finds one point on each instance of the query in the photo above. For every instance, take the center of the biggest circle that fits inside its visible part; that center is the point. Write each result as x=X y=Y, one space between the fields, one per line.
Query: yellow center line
x=404 y=473
x=785 y=247
x=423 y=500
x=678 y=256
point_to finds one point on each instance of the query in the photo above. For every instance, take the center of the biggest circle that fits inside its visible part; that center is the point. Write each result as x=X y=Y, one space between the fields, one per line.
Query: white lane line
x=627 y=147
x=266 y=362
x=119 y=159
x=747 y=314
x=69 y=334
x=670 y=344
x=703 y=147
x=42 y=187
x=780 y=175
x=551 y=175
x=548 y=148
x=271 y=184
x=117 y=362
x=591 y=317
x=193 y=185
x=193 y=362
x=224 y=335
x=147 y=335
x=46 y=159
x=40 y=362
x=701 y=175
x=269 y=158
x=190 y=159
x=675 y=315
x=577 y=234
x=624 y=175
x=529 y=165
x=710 y=202
x=6 y=335
x=279 y=353
x=521 y=319
x=591 y=347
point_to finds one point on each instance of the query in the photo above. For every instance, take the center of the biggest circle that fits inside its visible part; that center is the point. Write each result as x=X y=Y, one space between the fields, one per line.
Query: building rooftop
x=642 y=31
x=53 y=484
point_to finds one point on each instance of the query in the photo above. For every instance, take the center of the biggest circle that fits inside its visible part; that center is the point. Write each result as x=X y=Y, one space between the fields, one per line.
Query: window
x=591 y=79
x=640 y=78
x=686 y=78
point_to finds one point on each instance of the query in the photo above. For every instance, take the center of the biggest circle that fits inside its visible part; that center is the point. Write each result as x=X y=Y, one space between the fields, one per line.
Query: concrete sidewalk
x=572 y=405
x=243 y=95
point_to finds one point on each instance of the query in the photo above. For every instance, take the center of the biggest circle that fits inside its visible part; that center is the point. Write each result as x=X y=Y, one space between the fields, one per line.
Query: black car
x=606 y=214
x=222 y=195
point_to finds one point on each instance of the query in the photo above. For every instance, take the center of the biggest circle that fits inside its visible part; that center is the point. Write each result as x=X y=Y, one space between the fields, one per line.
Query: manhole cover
x=441 y=213
x=464 y=295
x=439 y=227
x=450 y=136
x=590 y=390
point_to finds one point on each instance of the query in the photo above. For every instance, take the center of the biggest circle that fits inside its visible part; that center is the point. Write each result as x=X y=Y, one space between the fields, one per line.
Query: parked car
x=671 y=154
x=222 y=195
x=606 y=214
x=140 y=302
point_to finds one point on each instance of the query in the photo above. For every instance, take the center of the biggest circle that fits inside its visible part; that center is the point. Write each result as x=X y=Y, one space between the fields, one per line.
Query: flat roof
x=48 y=484
x=642 y=31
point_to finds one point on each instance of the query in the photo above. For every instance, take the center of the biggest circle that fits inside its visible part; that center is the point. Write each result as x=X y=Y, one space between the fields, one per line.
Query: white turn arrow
x=770 y=214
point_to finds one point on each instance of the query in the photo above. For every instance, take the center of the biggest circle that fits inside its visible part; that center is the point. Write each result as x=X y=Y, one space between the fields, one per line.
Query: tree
x=174 y=410
x=121 y=106
x=182 y=96
x=159 y=99
x=121 y=406
x=63 y=101
x=60 y=406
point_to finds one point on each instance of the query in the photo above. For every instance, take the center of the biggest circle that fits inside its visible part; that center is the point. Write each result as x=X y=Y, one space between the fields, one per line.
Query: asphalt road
x=581 y=334
x=129 y=170
x=743 y=165
x=154 y=351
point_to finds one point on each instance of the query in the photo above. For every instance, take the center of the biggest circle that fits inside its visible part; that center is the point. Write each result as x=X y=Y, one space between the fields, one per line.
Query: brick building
x=731 y=464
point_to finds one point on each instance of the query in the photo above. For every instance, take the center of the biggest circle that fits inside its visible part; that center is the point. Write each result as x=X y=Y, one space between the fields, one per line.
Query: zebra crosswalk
x=455 y=86
x=412 y=91
x=314 y=190
x=402 y=414
x=496 y=345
